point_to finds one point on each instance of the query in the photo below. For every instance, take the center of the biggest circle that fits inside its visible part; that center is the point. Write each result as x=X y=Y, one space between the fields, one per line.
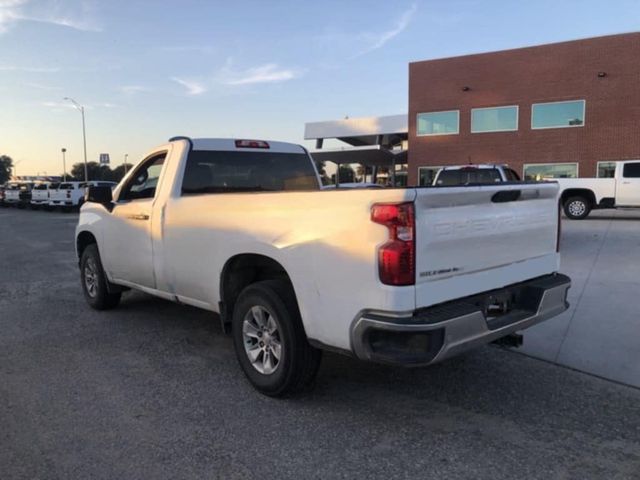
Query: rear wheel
x=94 y=282
x=270 y=342
x=577 y=208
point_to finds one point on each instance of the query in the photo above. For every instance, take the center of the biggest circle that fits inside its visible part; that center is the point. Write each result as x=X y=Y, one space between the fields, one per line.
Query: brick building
x=559 y=110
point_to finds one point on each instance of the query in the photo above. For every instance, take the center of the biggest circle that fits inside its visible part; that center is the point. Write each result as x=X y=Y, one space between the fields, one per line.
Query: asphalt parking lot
x=152 y=390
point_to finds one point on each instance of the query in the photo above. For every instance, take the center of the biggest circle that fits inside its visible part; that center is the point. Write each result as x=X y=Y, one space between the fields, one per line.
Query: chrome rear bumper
x=433 y=334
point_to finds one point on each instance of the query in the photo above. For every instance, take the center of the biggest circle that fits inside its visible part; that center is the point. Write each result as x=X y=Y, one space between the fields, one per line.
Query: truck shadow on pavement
x=490 y=381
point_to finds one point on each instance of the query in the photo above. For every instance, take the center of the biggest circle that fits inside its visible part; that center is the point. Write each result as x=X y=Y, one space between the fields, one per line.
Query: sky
x=149 y=70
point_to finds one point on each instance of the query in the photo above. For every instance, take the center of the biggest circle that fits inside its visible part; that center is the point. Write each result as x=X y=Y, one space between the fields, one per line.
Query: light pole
x=126 y=155
x=64 y=165
x=84 y=136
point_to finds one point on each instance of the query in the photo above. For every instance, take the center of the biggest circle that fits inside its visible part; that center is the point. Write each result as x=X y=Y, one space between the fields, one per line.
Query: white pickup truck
x=243 y=228
x=579 y=196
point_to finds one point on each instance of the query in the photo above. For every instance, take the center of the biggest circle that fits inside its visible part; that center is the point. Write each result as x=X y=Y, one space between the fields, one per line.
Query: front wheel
x=94 y=281
x=577 y=208
x=270 y=341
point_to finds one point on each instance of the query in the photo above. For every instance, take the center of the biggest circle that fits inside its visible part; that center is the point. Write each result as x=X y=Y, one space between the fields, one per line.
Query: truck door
x=127 y=240
x=628 y=185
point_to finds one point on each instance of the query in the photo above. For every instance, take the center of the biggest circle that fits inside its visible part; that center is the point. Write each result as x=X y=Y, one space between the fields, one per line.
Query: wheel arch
x=579 y=192
x=83 y=240
x=242 y=270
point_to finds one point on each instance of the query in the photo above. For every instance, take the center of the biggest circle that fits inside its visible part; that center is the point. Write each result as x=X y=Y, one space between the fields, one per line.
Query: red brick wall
x=555 y=72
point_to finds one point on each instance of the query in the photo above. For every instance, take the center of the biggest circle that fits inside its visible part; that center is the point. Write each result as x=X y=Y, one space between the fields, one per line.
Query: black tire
x=95 y=288
x=577 y=208
x=298 y=364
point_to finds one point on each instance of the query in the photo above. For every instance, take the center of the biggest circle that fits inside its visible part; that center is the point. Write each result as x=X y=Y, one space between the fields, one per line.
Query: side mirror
x=100 y=195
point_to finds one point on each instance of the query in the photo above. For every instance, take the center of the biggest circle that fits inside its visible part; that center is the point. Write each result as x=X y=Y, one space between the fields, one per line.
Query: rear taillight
x=397 y=257
x=251 y=144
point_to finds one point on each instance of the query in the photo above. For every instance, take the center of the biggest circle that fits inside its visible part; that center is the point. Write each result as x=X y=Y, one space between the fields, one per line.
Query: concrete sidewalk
x=600 y=333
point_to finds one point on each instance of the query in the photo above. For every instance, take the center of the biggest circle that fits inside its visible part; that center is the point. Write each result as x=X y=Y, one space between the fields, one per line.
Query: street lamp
x=84 y=136
x=64 y=165
x=126 y=155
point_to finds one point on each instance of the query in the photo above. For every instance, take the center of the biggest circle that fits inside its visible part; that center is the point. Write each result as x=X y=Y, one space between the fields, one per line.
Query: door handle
x=138 y=216
x=626 y=183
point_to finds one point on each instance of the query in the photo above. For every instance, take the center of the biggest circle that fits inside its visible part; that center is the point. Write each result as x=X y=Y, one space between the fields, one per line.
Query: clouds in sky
x=376 y=41
x=229 y=77
x=336 y=43
x=77 y=17
x=193 y=87
x=267 y=73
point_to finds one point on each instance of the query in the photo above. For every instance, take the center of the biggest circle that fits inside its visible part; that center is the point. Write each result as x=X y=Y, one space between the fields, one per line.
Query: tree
x=97 y=172
x=6 y=166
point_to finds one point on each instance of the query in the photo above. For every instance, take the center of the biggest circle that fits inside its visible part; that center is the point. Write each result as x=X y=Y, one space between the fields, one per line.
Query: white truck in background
x=578 y=196
x=407 y=276
x=474 y=174
x=70 y=195
x=40 y=195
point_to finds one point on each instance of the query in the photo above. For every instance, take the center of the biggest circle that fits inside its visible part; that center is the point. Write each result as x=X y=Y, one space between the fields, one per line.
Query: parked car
x=40 y=195
x=70 y=195
x=474 y=174
x=393 y=275
x=581 y=195
x=2 y=189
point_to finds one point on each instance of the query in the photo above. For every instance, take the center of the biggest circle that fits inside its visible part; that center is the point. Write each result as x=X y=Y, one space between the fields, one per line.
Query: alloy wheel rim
x=577 y=208
x=261 y=336
x=91 y=277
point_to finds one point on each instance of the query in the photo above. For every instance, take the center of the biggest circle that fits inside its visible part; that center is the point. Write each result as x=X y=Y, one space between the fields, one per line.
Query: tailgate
x=474 y=239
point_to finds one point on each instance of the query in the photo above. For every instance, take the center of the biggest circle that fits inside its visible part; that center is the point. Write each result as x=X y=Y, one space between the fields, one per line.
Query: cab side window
x=145 y=180
x=631 y=170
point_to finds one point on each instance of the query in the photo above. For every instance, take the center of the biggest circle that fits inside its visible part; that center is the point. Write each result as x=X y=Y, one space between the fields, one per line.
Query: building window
x=426 y=175
x=439 y=123
x=606 y=169
x=494 y=119
x=547 y=171
x=558 y=114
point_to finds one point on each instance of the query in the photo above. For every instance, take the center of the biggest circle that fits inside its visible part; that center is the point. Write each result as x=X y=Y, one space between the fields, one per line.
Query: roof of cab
x=478 y=166
x=229 y=144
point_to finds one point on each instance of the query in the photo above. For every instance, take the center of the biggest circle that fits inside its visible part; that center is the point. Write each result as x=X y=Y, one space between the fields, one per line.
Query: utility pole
x=126 y=155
